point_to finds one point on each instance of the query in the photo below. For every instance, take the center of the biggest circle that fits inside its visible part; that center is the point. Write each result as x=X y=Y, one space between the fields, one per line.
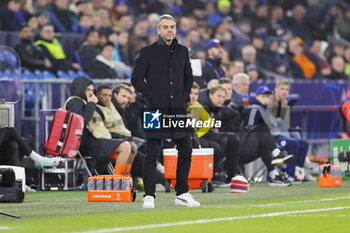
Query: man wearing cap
x=258 y=117
x=163 y=75
x=212 y=66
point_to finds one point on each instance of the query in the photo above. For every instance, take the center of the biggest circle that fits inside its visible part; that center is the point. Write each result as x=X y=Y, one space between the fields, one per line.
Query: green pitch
x=299 y=208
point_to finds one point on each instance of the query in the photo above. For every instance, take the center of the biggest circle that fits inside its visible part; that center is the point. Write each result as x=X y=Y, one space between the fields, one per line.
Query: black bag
x=248 y=146
x=10 y=189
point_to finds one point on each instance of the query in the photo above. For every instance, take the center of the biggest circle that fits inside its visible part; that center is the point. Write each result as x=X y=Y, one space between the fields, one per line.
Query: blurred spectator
x=312 y=25
x=248 y=55
x=114 y=38
x=124 y=49
x=138 y=37
x=252 y=72
x=301 y=67
x=40 y=6
x=343 y=25
x=42 y=18
x=31 y=56
x=89 y=49
x=314 y=54
x=104 y=67
x=271 y=60
x=52 y=49
x=126 y=22
x=60 y=17
x=10 y=17
x=153 y=20
x=193 y=39
x=212 y=67
x=261 y=13
x=338 y=67
x=277 y=26
x=105 y=21
x=336 y=50
x=295 y=16
x=96 y=5
x=152 y=35
x=237 y=66
x=120 y=7
x=85 y=22
x=33 y=24
x=240 y=85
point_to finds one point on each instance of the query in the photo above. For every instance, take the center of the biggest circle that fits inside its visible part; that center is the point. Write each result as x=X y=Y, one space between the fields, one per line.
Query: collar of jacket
x=216 y=62
x=111 y=64
x=160 y=41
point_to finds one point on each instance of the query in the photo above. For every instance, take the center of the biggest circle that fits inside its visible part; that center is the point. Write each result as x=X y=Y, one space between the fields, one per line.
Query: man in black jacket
x=31 y=56
x=212 y=66
x=163 y=75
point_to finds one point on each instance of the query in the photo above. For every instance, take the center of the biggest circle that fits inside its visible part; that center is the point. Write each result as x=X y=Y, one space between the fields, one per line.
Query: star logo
x=156 y=115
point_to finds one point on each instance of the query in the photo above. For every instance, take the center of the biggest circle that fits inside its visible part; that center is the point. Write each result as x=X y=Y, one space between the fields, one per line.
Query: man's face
x=281 y=92
x=107 y=52
x=264 y=98
x=93 y=38
x=26 y=33
x=228 y=88
x=47 y=33
x=194 y=95
x=216 y=52
x=167 y=29
x=89 y=91
x=105 y=96
x=242 y=86
x=218 y=98
x=123 y=97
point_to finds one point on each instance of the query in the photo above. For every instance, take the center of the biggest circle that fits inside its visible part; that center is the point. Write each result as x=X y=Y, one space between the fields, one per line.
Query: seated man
x=30 y=54
x=97 y=140
x=229 y=142
x=13 y=148
x=52 y=49
x=292 y=143
x=198 y=112
x=259 y=115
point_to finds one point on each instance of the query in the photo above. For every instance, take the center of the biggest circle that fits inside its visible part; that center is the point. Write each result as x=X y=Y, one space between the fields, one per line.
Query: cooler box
x=331 y=179
x=201 y=172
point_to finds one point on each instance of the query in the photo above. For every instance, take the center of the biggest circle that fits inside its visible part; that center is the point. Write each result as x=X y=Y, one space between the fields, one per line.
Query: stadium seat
x=44 y=74
x=83 y=73
x=72 y=74
x=62 y=74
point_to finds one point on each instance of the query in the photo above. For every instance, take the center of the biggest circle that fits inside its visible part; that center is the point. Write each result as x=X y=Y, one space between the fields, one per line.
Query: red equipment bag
x=65 y=134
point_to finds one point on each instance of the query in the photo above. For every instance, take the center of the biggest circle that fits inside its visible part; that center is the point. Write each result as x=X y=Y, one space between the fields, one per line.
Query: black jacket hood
x=79 y=85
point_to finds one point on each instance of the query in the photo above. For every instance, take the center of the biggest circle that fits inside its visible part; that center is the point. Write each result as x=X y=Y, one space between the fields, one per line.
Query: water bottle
x=125 y=184
x=108 y=183
x=91 y=183
x=116 y=183
x=99 y=183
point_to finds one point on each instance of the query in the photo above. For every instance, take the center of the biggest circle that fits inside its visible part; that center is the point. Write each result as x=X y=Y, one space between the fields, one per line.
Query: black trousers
x=229 y=142
x=153 y=150
x=13 y=147
x=260 y=143
x=218 y=153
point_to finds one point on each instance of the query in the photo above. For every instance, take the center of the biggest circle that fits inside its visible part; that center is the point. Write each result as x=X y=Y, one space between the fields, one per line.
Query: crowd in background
x=298 y=39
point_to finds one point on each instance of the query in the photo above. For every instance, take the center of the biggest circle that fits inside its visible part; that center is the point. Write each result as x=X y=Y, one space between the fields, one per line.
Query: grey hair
x=237 y=77
x=166 y=16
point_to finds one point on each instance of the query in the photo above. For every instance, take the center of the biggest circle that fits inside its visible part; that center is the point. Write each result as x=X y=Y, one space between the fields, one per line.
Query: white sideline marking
x=202 y=221
x=4 y=228
x=300 y=202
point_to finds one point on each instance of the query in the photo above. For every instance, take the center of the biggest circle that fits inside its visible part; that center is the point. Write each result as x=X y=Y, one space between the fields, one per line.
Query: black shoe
x=282 y=158
x=278 y=181
x=291 y=179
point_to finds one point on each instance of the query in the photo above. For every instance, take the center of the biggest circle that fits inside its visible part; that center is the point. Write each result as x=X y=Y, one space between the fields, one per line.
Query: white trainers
x=148 y=202
x=48 y=162
x=186 y=199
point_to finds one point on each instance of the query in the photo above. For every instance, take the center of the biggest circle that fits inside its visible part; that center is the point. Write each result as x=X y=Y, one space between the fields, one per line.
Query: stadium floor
x=299 y=208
